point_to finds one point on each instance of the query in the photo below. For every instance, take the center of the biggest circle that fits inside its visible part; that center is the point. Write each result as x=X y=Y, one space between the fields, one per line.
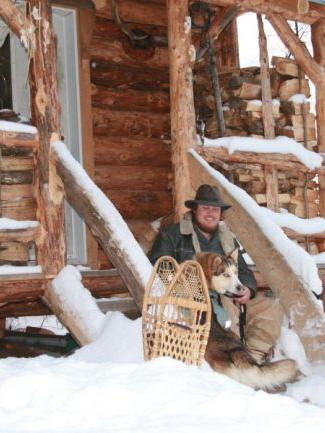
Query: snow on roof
x=112 y=218
x=283 y=145
x=299 y=260
x=17 y=127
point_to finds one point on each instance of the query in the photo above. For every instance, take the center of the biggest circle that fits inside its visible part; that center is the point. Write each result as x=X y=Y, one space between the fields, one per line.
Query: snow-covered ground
x=107 y=387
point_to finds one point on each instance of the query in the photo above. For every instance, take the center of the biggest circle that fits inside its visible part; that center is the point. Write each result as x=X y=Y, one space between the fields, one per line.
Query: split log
x=248 y=91
x=300 y=121
x=298 y=303
x=298 y=134
x=134 y=11
x=13 y=163
x=135 y=177
x=118 y=76
x=287 y=67
x=124 y=99
x=290 y=107
x=116 y=52
x=132 y=151
x=291 y=87
x=128 y=123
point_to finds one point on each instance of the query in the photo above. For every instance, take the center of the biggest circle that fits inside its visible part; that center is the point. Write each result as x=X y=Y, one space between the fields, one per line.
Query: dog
x=225 y=352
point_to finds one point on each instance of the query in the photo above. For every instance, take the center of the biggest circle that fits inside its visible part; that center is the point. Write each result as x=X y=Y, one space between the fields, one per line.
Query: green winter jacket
x=181 y=241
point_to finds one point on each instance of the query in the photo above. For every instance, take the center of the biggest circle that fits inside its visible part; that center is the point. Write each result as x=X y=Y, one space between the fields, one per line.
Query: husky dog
x=225 y=351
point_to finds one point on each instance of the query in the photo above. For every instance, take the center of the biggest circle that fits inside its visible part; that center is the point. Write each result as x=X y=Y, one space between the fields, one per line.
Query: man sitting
x=201 y=230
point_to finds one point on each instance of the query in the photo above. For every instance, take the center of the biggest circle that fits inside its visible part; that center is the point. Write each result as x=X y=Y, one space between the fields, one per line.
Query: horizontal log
x=118 y=76
x=18 y=139
x=124 y=99
x=108 y=29
x=135 y=177
x=15 y=192
x=291 y=87
x=123 y=54
x=134 y=11
x=21 y=309
x=289 y=9
x=132 y=151
x=298 y=134
x=27 y=235
x=282 y=162
x=290 y=107
x=141 y=204
x=128 y=123
x=13 y=163
x=299 y=120
x=16 y=177
x=13 y=252
x=24 y=287
x=22 y=209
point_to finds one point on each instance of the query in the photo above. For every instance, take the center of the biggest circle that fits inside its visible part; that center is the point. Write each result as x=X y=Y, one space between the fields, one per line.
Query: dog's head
x=221 y=272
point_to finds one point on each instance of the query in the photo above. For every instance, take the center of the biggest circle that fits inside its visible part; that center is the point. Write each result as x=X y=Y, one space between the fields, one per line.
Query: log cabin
x=127 y=84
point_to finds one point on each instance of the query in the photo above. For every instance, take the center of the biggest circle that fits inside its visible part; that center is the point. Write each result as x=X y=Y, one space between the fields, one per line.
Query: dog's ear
x=209 y=263
x=234 y=255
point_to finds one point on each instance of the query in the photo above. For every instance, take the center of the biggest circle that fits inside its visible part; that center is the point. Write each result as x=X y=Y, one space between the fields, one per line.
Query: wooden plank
x=18 y=139
x=14 y=163
x=291 y=87
x=22 y=209
x=298 y=303
x=13 y=252
x=20 y=235
x=16 y=192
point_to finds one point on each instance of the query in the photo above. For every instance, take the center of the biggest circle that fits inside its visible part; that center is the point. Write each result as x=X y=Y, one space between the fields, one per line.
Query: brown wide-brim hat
x=207 y=195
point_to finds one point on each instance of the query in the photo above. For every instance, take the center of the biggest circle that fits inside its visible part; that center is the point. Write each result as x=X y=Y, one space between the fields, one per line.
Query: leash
x=242 y=321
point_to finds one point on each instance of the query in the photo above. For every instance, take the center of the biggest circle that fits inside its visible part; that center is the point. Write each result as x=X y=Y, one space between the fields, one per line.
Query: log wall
x=131 y=120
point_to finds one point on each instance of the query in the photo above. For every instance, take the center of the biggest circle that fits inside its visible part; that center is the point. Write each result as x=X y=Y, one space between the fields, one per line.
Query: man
x=201 y=229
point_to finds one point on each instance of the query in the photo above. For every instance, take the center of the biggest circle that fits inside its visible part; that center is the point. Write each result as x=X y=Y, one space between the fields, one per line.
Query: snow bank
x=283 y=145
x=303 y=226
x=108 y=212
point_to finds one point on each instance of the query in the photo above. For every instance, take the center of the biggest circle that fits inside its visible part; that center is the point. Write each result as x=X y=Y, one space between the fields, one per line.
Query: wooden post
x=46 y=117
x=271 y=174
x=183 y=126
x=14 y=19
x=86 y=23
x=318 y=41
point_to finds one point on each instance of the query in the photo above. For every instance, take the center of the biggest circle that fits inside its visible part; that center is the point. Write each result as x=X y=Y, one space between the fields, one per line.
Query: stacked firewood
x=242 y=105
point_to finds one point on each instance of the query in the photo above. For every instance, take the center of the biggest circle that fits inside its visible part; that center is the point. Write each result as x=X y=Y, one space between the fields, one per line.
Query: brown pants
x=263 y=323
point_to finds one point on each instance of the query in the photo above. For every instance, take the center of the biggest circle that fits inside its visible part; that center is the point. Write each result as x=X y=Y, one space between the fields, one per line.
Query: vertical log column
x=271 y=174
x=46 y=117
x=318 y=40
x=183 y=129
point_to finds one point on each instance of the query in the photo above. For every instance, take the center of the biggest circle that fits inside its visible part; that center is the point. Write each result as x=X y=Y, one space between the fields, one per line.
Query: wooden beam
x=15 y=20
x=26 y=235
x=299 y=50
x=46 y=116
x=19 y=139
x=298 y=303
x=183 y=124
x=221 y=21
x=271 y=175
x=296 y=10
x=102 y=229
x=283 y=162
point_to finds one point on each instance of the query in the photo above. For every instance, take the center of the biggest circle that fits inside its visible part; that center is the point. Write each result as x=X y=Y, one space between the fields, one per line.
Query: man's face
x=207 y=217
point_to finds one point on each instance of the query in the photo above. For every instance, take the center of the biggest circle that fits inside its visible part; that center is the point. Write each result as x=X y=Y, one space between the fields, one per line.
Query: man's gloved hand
x=244 y=296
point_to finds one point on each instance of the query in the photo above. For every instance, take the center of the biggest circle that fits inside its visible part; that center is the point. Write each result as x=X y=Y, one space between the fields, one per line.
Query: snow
x=13 y=270
x=17 y=127
x=283 y=145
x=106 y=387
x=78 y=301
x=299 y=261
x=299 y=98
x=112 y=218
x=11 y=224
